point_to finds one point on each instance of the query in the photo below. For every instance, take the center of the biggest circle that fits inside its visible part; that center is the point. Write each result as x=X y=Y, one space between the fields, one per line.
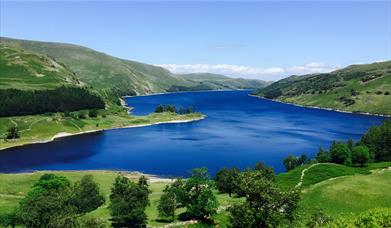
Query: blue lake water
x=240 y=130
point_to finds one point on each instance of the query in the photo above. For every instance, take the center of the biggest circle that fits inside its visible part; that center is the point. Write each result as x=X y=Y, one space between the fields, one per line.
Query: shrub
x=379 y=217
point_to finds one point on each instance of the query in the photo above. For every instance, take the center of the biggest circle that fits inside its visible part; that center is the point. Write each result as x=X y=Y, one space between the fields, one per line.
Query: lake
x=240 y=130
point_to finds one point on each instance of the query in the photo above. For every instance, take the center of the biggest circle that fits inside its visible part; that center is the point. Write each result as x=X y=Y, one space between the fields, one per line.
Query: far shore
x=67 y=134
x=195 y=91
x=322 y=108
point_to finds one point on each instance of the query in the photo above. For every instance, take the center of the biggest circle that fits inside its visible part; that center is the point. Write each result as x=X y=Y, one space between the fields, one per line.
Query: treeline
x=14 y=102
x=374 y=146
x=54 y=202
x=172 y=108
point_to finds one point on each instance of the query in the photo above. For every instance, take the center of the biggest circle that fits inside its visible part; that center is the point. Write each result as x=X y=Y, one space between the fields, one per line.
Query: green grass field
x=37 y=128
x=349 y=195
x=339 y=190
x=15 y=186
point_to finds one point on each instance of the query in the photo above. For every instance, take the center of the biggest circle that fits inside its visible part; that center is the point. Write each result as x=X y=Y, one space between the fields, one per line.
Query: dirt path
x=298 y=185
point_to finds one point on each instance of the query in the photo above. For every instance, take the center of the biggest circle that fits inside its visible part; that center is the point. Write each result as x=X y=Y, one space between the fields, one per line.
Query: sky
x=263 y=40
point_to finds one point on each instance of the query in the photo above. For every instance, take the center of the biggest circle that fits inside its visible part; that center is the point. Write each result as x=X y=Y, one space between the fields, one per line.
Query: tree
x=8 y=219
x=303 y=159
x=242 y=216
x=266 y=205
x=198 y=197
x=290 y=162
x=360 y=155
x=13 y=133
x=323 y=156
x=93 y=113
x=86 y=196
x=159 y=109
x=378 y=140
x=47 y=204
x=128 y=202
x=340 y=153
x=266 y=171
x=168 y=203
x=226 y=180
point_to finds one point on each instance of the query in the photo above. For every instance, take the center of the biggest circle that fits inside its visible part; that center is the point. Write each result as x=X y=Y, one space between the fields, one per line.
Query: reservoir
x=239 y=130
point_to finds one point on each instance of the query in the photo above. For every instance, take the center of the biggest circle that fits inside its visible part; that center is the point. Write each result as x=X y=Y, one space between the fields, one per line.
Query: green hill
x=357 y=88
x=123 y=77
x=219 y=81
x=23 y=69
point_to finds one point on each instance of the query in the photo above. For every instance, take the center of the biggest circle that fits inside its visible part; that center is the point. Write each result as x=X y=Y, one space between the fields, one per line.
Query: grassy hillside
x=22 y=69
x=218 y=81
x=357 y=88
x=349 y=195
x=124 y=77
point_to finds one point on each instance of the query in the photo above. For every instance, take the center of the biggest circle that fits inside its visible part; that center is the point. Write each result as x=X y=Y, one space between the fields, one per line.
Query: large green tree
x=47 y=204
x=168 y=203
x=378 y=140
x=360 y=155
x=266 y=205
x=197 y=195
x=340 y=153
x=128 y=201
x=86 y=196
x=226 y=180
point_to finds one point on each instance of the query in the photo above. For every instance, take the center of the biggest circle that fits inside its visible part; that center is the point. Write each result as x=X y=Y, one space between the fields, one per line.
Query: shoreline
x=152 y=178
x=195 y=91
x=322 y=108
x=67 y=134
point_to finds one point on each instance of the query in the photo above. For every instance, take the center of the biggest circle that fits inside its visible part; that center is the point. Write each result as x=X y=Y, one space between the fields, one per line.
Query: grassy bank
x=339 y=190
x=41 y=128
x=15 y=186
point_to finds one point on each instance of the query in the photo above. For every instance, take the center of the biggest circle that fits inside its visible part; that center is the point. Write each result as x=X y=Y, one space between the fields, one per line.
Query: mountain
x=22 y=69
x=356 y=88
x=218 y=81
x=123 y=77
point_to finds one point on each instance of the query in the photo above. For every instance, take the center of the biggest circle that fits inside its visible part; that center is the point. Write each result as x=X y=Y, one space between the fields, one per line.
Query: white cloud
x=270 y=73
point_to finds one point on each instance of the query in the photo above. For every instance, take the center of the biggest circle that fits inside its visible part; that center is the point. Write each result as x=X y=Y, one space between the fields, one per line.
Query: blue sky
x=265 y=40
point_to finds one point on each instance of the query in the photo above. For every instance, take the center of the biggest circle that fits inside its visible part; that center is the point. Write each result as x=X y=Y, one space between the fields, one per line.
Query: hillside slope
x=221 y=81
x=23 y=69
x=123 y=77
x=357 y=88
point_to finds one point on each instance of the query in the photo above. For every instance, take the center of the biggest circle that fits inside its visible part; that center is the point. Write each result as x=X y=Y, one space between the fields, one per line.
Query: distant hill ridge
x=114 y=75
x=356 y=88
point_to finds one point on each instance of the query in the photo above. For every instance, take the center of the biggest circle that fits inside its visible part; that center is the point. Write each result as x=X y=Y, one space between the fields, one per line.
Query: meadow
x=339 y=190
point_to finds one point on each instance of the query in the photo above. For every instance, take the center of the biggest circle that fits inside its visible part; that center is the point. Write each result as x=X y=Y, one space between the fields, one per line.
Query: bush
x=360 y=155
x=380 y=217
